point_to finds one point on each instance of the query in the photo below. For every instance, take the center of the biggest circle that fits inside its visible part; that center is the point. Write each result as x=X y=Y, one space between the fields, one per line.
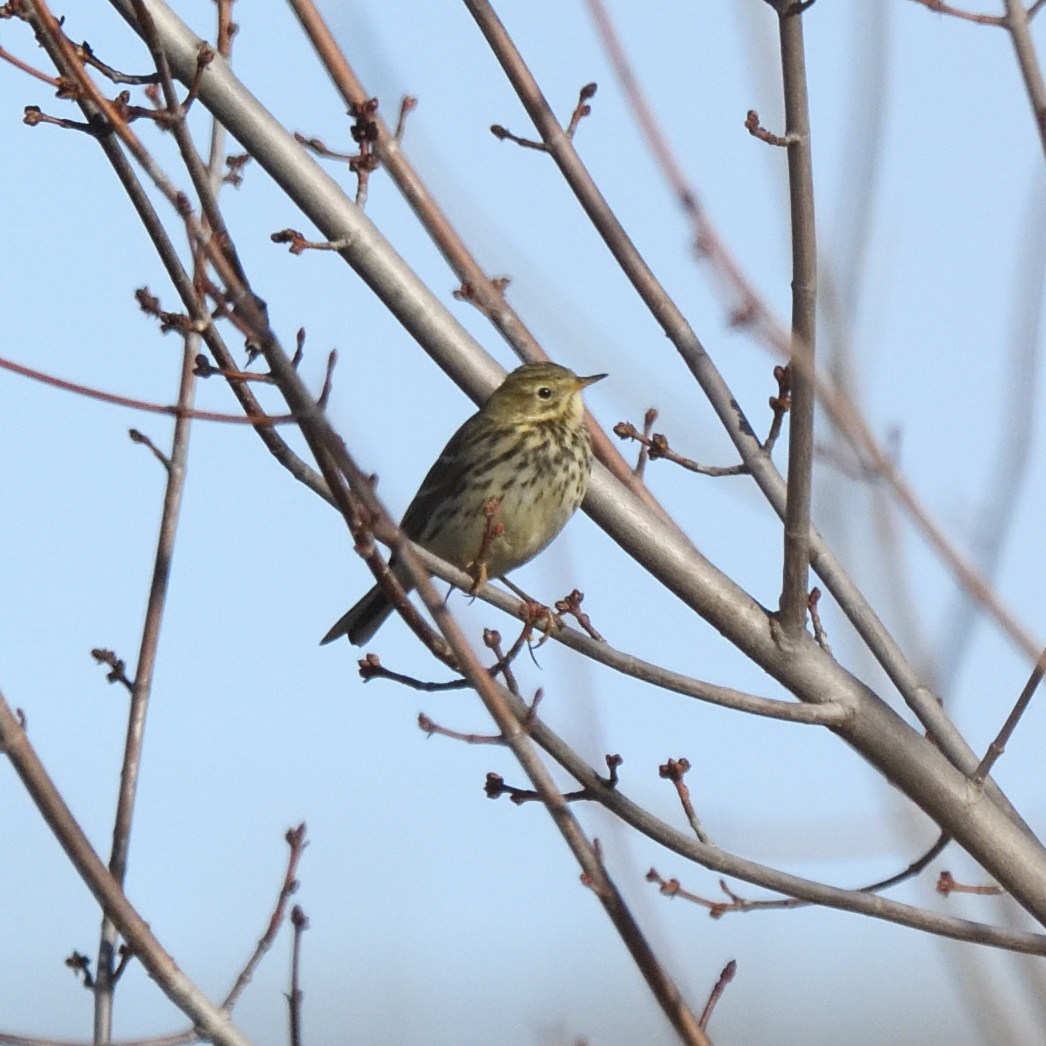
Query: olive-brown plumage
x=527 y=447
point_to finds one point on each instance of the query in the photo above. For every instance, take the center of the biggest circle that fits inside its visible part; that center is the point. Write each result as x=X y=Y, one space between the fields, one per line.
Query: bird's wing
x=445 y=480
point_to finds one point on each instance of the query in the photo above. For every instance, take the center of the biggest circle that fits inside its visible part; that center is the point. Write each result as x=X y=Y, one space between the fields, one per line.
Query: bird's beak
x=590 y=380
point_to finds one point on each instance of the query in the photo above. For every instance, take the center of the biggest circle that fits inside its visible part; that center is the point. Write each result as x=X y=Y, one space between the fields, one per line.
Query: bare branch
x=207 y=1017
x=796 y=569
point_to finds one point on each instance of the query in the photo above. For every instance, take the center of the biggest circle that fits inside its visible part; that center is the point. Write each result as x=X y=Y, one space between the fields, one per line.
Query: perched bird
x=502 y=489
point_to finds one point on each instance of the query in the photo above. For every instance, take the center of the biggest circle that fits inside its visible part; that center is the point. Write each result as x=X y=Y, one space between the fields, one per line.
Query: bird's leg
x=535 y=612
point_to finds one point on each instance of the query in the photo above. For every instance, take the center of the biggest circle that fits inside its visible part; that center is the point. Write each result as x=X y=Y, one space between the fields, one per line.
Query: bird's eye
x=545 y=392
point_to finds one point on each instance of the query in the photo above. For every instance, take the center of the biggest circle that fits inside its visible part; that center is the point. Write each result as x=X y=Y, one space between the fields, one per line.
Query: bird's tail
x=363 y=620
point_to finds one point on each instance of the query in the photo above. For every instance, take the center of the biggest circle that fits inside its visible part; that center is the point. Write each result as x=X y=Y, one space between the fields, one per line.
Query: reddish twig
x=571 y=604
x=657 y=447
x=431 y=727
x=296 y=841
x=298 y=243
x=492 y=530
x=407 y=106
x=33 y=116
x=6 y=56
x=205 y=369
x=88 y=57
x=674 y=770
x=300 y=922
x=947 y=885
x=737 y=903
x=144 y=405
x=581 y=110
x=815 y=619
x=757 y=130
x=729 y=970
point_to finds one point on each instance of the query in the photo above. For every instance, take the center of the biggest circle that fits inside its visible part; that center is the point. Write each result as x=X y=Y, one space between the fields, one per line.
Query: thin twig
x=432 y=728
x=940 y=7
x=296 y=842
x=656 y=447
x=300 y=922
x=998 y=745
x=6 y=56
x=173 y=410
x=674 y=770
x=492 y=639
x=729 y=971
x=177 y=463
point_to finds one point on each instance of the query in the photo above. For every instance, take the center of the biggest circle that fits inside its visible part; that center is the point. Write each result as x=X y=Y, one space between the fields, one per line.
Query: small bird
x=503 y=488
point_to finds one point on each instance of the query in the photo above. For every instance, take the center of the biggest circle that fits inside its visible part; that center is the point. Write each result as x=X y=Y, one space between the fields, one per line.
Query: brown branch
x=296 y=842
x=644 y=448
x=6 y=56
x=729 y=971
x=492 y=640
x=495 y=786
x=177 y=463
x=812 y=602
x=657 y=447
x=370 y=667
x=173 y=410
x=757 y=130
x=300 y=922
x=947 y=885
x=571 y=604
x=674 y=770
x=298 y=243
x=795 y=582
